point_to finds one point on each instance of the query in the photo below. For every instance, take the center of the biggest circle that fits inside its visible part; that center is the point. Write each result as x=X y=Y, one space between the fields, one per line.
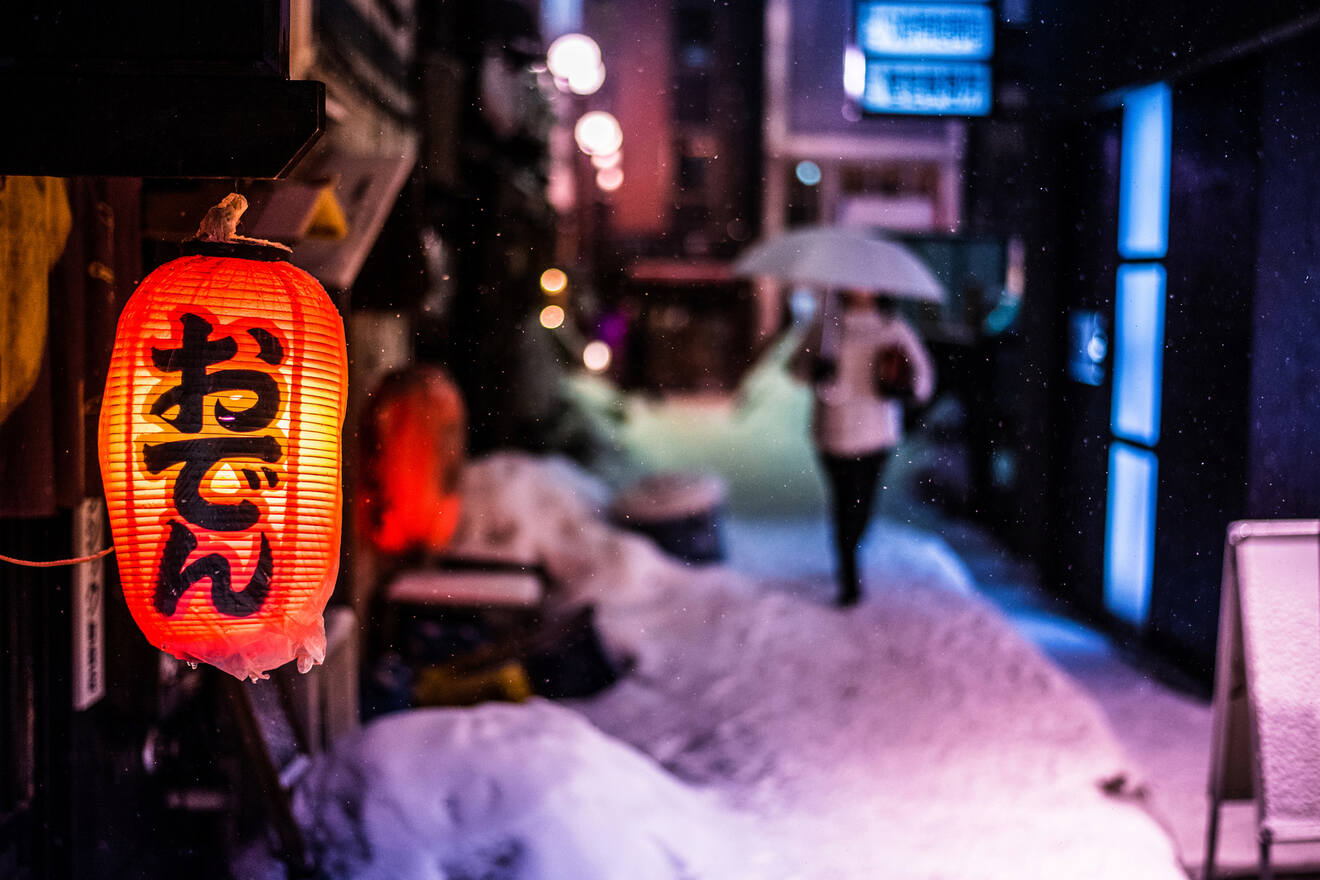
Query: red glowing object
x=220 y=457
x=413 y=446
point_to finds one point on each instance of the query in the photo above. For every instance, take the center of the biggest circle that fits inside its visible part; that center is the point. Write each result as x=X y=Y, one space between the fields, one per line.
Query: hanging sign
x=925 y=57
x=930 y=88
x=220 y=455
x=926 y=30
x=88 y=605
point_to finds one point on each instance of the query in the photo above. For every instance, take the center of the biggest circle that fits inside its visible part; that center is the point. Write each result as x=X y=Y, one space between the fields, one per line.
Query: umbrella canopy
x=836 y=257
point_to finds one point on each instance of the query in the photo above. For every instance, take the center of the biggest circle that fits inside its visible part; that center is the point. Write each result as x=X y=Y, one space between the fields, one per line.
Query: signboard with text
x=950 y=31
x=926 y=88
x=89 y=606
x=926 y=58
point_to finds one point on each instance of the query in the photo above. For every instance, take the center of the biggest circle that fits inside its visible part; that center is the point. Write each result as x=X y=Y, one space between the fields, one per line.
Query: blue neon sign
x=924 y=58
x=930 y=31
x=930 y=88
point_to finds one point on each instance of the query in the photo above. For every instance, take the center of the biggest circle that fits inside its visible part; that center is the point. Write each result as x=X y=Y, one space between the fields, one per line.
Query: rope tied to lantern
x=220 y=452
x=56 y=563
x=220 y=225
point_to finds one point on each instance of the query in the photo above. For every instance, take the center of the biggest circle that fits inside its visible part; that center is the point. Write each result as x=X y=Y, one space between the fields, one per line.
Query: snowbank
x=530 y=791
x=915 y=736
x=865 y=742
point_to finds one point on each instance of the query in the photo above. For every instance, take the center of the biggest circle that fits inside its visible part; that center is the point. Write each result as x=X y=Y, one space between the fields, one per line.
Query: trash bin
x=680 y=511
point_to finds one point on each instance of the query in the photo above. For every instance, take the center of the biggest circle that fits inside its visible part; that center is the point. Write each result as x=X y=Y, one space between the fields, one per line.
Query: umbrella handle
x=830 y=331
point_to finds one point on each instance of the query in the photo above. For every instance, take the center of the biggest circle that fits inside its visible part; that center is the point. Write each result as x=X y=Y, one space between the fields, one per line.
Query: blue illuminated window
x=1143 y=199
x=1138 y=353
x=1130 y=532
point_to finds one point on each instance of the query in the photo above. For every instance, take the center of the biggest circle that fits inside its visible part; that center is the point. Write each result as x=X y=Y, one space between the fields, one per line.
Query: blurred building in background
x=652 y=226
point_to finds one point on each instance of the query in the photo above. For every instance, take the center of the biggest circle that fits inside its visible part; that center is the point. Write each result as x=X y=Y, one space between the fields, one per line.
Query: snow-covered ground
x=761 y=734
x=777 y=532
x=952 y=725
x=509 y=791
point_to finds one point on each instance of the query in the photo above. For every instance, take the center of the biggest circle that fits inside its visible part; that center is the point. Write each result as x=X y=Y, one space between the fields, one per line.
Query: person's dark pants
x=852 y=481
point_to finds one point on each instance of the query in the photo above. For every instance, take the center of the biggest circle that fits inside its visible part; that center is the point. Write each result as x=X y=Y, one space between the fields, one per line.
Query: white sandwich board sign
x=1265 y=745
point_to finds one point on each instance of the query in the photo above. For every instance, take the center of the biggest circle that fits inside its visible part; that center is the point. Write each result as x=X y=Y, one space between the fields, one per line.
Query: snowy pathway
x=768 y=735
x=762 y=733
x=777 y=533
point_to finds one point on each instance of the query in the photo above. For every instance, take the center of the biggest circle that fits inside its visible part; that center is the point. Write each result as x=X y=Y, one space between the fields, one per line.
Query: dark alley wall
x=1284 y=466
x=1207 y=355
x=1079 y=52
x=1242 y=330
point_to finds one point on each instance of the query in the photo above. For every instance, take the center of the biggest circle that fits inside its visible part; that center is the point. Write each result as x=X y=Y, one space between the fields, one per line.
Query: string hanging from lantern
x=55 y=563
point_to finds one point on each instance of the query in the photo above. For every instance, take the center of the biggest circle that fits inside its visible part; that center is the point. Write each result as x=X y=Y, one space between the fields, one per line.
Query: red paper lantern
x=220 y=456
x=413 y=443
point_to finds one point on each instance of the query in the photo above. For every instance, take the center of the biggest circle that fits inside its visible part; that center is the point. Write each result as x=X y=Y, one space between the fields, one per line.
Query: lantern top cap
x=220 y=225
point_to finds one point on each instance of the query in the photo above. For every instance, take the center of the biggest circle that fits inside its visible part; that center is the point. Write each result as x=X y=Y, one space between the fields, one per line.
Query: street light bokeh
x=609 y=179
x=608 y=160
x=598 y=133
x=553 y=280
x=552 y=317
x=596 y=356
x=574 y=61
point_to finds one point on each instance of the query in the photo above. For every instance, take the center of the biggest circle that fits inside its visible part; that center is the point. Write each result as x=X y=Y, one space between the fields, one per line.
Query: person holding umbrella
x=864 y=364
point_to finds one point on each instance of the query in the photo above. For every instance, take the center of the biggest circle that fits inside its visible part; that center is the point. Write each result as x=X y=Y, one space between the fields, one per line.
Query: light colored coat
x=851 y=417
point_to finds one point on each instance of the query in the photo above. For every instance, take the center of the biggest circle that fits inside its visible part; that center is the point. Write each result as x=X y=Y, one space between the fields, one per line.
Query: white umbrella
x=837 y=257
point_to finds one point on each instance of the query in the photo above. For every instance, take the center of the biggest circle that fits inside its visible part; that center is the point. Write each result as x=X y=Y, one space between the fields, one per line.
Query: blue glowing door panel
x=1130 y=531
x=1197 y=427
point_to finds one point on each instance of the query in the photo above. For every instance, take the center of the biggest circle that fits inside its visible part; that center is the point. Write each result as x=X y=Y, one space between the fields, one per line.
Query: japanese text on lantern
x=224 y=418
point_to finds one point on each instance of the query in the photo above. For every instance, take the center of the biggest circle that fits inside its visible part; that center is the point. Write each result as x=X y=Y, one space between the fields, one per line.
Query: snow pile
x=866 y=742
x=871 y=743
x=531 y=792
x=914 y=736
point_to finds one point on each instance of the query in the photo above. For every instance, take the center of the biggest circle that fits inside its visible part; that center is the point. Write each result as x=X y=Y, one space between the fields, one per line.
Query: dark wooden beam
x=126 y=125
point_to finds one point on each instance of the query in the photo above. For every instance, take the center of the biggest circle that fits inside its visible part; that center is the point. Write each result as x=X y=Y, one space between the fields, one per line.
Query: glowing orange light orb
x=553 y=280
x=552 y=317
